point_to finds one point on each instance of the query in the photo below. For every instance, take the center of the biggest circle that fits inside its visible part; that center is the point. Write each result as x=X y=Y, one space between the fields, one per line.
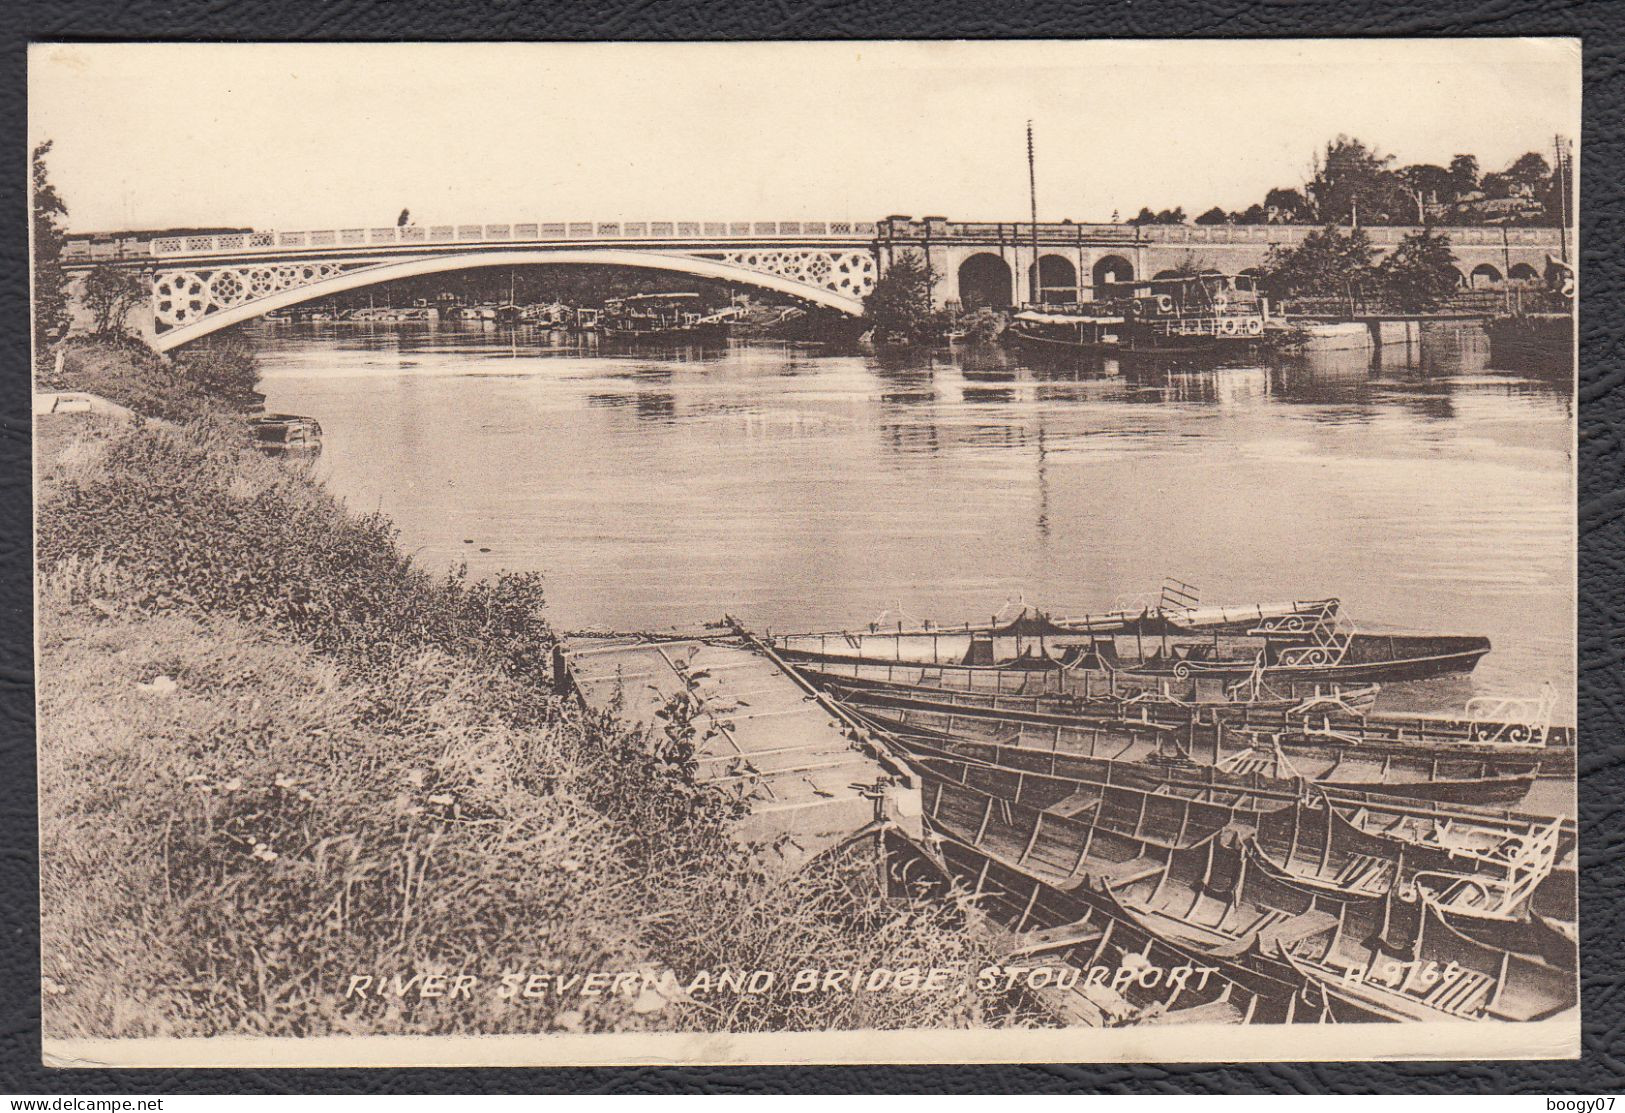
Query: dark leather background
x=1602 y=494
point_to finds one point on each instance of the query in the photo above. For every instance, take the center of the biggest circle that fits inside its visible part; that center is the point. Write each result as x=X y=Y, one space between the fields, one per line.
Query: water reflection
x=801 y=488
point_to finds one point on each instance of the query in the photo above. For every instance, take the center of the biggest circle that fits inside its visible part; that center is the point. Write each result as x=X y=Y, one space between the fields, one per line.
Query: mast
x=1036 y=285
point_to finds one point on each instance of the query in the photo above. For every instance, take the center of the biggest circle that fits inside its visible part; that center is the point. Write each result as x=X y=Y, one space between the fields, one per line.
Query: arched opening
x=1112 y=268
x=984 y=282
x=1523 y=272
x=1483 y=277
x=1249 y=278
x=1057 y=280
x=1165 y=274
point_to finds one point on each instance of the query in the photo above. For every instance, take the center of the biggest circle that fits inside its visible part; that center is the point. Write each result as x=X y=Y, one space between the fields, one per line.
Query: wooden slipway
x=812 y=777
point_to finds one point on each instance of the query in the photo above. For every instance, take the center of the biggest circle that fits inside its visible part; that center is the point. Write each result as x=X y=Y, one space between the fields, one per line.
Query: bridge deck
x=757 y=730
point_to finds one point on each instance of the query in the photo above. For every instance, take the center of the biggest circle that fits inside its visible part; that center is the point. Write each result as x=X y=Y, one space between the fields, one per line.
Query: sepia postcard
x=822 y=552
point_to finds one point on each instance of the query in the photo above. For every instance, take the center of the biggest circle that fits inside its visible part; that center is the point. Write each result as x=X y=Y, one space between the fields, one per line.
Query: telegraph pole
x=1035 y=285
x=1562 y=197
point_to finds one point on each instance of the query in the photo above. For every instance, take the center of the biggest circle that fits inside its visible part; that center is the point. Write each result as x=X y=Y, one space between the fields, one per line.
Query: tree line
x=1354 y=183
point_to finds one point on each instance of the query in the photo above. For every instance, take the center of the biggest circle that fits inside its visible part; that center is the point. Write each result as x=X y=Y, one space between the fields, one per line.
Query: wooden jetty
x=811 y=777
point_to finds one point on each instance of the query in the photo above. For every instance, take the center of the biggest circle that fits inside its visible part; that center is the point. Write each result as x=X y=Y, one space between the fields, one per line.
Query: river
x=797 y=490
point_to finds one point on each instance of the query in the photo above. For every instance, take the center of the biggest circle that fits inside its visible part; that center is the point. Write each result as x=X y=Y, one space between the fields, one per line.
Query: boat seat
x=1076 y=804
x=1213 y=1012
x=1365 y=873
x=1285 y=934
x=1107 y=1000
x=1127 y=873
x=1462 y=995
x=1055 y=938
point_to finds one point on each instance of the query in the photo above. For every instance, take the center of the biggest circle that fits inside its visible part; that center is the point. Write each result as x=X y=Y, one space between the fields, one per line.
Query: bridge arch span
x=361 y=277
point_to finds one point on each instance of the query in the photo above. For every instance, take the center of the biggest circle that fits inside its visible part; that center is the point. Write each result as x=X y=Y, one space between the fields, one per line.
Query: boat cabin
x=1198 y=295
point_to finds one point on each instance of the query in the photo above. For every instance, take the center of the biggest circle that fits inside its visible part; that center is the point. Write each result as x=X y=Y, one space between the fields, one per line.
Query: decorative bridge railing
x=896 y=229
x=240 y=243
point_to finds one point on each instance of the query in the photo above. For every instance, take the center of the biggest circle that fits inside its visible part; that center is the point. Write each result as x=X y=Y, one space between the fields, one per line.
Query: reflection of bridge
x=204 y=283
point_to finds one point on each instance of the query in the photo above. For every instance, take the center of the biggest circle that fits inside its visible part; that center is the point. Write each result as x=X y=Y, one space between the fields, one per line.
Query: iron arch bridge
x=201 y=284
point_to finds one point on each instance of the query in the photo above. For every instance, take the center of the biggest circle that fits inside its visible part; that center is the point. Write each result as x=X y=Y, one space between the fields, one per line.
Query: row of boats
x=1250 y=817
x=669 y=318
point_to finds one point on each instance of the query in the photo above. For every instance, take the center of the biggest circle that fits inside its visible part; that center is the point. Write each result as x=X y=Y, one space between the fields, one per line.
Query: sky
x=323 y=136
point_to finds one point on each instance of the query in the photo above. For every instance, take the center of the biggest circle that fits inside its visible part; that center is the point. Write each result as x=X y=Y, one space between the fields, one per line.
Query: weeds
x=276 y=756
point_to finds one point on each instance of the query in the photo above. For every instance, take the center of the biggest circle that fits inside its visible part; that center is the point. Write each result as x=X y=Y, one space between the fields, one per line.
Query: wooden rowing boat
x=1154 y=751
x=1218 y=897
x=1320 y=726
x=1122 y=974
x=1371 y=957
x=1009 y=638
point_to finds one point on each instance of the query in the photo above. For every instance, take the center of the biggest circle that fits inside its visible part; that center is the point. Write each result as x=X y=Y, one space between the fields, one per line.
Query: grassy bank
x=275 y=754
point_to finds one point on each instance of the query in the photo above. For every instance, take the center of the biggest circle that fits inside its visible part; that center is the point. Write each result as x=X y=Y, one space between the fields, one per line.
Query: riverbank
x=276 y=755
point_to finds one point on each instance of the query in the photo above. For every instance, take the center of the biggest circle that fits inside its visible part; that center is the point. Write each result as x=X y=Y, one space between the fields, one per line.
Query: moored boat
x=662 y=318
x=1194 y=316
x=1214 y=894
x=1146 y=756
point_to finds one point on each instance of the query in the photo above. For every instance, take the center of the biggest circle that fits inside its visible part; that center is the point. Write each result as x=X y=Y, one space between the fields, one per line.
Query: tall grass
x=210 y=377
x=275 y=753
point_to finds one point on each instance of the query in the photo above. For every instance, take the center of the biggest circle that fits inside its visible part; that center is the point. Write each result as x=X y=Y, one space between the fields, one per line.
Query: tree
x=50 y=283
x=1421 y=273
x=1464 y=174
x=899 y=307
x=1215 y=215
x=1353 y=183
x=1530 y=169
x=109 y=295
x=1145 y=216
x=1254 y=214
x=1286 y=206
x=1427 y=182
x=1328 y=263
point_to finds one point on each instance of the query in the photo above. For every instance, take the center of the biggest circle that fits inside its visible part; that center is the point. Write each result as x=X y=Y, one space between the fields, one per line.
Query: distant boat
x=664 y=318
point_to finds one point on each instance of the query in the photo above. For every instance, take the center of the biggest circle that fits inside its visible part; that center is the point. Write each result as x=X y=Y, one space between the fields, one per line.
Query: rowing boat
x=1008 y=638
x=1323 y=726
x=1216 y=896
x=1017 y=737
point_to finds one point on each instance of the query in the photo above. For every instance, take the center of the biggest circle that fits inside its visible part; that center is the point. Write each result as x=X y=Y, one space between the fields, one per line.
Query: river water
x=800 y=490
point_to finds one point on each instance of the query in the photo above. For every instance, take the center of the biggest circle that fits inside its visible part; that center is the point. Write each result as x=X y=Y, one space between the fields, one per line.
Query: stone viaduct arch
x=1057 y=279
x=1112 y=268
x=985 y=280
